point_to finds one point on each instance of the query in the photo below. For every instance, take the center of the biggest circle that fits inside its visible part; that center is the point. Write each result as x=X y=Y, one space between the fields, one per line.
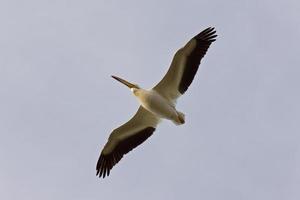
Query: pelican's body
x=156 y=103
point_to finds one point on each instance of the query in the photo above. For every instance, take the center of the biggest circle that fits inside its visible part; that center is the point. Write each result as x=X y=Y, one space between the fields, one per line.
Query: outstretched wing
x=184 y=65
x=125 y=138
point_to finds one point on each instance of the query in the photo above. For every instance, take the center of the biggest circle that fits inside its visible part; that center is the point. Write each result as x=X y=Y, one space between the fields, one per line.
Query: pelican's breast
x=155 y=103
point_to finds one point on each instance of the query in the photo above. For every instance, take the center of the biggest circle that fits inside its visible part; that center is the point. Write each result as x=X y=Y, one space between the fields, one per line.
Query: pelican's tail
x=180 y=118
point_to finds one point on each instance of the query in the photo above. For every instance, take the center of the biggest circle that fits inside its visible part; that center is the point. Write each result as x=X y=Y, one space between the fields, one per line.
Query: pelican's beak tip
x=115 y=77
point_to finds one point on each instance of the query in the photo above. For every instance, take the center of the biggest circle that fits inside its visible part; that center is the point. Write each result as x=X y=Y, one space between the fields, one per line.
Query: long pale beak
x=130 y=85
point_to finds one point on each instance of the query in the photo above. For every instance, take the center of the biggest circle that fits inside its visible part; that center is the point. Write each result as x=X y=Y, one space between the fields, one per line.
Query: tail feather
x=180 y=118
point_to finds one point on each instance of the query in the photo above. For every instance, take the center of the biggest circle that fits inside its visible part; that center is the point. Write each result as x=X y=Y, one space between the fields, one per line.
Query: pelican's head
x=134 y=90
x=133 y=87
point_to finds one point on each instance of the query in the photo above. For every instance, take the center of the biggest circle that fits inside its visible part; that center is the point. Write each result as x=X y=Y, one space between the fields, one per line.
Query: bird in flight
x=157 y=103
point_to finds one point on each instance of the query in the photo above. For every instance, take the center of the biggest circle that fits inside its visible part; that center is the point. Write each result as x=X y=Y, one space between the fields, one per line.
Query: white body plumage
x=158 y=105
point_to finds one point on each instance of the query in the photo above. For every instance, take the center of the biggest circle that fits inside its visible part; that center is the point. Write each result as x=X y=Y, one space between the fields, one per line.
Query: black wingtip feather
x=203 y=41
x=106 y=162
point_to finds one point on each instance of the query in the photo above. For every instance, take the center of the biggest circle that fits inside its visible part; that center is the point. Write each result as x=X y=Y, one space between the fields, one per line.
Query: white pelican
x=156 y=103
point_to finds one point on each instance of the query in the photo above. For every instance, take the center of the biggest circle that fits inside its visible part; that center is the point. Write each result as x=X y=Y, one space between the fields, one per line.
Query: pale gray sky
x=58 y=103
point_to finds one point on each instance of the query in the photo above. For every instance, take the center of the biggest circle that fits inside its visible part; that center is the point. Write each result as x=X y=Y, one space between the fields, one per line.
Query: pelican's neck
x=141 y=92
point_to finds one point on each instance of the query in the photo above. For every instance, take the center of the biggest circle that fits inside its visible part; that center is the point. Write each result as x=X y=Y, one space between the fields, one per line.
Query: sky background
x=58 y=103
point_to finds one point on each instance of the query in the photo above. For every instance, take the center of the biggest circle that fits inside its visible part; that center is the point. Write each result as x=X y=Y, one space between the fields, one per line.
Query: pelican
x=157 y=103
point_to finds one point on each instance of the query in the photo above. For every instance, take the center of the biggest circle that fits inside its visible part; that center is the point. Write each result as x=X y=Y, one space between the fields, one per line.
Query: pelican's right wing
x=125 y=138
x=184 y=65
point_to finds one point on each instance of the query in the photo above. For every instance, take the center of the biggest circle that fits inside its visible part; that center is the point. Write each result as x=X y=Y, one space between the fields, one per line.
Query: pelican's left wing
x=184 y=65
x=125 y=138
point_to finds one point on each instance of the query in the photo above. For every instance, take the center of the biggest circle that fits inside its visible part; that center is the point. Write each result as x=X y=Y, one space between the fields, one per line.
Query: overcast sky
x=58 y=103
